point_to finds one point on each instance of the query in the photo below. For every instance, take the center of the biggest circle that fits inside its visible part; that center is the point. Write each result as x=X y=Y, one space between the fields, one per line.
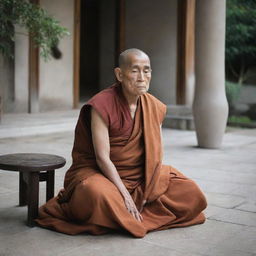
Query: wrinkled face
x=136 y=75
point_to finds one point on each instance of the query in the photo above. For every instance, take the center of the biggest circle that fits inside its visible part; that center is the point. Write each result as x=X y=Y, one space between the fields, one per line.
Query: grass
x=240 y=119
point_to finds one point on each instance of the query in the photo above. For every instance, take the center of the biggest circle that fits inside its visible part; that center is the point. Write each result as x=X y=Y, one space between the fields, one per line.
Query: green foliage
x=240 y=37
x=240 y=119
x=44 y=29
x=232 y=92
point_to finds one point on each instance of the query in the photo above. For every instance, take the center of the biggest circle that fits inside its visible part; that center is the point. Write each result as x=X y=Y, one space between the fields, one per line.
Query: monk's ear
x=118 y=73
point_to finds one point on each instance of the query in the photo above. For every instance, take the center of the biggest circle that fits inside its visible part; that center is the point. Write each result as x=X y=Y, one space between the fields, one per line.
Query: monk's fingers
x=60 y=194
x=142 y=205
x=132 y=209
x=129 y=207
x=139 y=217
x=133 y=214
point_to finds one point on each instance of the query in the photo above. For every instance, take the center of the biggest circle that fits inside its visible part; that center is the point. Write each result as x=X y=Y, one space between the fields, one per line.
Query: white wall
x=152 y=26
x=56 y=76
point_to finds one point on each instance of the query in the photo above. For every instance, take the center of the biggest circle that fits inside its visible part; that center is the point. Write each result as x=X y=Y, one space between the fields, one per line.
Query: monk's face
x=135 y=76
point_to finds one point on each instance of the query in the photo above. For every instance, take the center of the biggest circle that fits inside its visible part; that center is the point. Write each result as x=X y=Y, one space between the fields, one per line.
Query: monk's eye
x=135 y=71
x=147 y=71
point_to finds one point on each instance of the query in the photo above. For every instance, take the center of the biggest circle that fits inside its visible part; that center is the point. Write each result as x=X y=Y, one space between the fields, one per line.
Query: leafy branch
x=240 y=38
x=45 y=30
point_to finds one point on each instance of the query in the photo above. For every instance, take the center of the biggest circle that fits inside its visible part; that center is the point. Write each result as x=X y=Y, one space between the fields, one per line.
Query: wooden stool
x=32 y=169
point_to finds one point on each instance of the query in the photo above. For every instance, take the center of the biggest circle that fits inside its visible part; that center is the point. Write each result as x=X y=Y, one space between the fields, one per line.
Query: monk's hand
x=61 y=193
x=142 y=205
x=131 y=207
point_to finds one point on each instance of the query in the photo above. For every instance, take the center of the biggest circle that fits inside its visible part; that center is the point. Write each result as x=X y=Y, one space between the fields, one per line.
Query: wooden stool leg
x=22 y=190
x=50 y=185
x=33 y=194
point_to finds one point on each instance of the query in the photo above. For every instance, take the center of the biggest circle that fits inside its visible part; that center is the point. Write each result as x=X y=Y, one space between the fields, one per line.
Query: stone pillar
x=21 y=70
x=6 y=84
x=210 y=106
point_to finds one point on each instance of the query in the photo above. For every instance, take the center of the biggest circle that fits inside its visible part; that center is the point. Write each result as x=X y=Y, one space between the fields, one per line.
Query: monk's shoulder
x=104 y=97
x=104 y=103
x=154 y=101
x=158 y=106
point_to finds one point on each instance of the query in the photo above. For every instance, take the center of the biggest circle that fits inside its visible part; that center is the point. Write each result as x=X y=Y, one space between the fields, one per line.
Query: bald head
x=124 y=57
x=134 y=72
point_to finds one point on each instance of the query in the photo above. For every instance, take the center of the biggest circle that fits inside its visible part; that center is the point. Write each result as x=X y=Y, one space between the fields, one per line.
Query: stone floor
x=226 y=175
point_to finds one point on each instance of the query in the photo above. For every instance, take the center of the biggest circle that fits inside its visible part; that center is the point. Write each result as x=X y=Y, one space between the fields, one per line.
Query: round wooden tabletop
x=31 y=162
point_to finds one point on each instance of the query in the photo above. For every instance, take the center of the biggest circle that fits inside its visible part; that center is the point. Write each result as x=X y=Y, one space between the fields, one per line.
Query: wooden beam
x=76 y=53
x=33 y=102
x=120 y=28
x=185 y=47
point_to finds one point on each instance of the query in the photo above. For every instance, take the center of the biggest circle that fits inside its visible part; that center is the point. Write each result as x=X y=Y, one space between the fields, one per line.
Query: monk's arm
x=100 y=138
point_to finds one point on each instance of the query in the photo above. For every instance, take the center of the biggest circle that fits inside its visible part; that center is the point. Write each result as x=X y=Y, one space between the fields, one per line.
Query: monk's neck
x=131 y=99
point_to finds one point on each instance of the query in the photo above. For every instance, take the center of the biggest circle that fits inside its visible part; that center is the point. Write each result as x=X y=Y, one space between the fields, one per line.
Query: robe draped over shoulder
x=91 y=203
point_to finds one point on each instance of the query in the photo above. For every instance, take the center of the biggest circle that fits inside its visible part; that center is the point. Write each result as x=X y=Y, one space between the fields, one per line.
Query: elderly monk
x=117 y=180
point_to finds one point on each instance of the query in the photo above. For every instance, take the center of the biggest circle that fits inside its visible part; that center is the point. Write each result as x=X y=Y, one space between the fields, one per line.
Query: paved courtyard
x=226 y=175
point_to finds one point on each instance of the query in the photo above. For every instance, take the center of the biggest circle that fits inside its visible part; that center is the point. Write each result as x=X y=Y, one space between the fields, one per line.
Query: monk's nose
x=141 y=76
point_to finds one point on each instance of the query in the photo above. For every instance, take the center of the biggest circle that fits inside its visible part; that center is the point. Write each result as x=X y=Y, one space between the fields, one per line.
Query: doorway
x=89 y=49
x=98 y=41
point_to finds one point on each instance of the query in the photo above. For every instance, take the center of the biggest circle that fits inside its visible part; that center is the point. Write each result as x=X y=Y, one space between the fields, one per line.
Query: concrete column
x=21 y=70
x=210 y=104
x=6 y=84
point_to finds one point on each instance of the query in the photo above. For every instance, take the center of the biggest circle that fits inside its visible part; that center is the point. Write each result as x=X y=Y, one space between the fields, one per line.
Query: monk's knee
x=88 y=196
x=199 y=198
x=96 y=188
x=82 y=187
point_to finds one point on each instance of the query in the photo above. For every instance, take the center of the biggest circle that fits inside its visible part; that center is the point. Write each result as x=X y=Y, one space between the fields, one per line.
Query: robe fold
x=91 y=203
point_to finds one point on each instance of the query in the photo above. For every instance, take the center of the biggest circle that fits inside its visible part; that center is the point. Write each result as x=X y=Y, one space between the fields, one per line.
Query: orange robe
x=92 y=203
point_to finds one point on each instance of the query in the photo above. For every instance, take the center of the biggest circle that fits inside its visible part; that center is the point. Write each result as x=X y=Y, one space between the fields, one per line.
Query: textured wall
x=56 y=76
